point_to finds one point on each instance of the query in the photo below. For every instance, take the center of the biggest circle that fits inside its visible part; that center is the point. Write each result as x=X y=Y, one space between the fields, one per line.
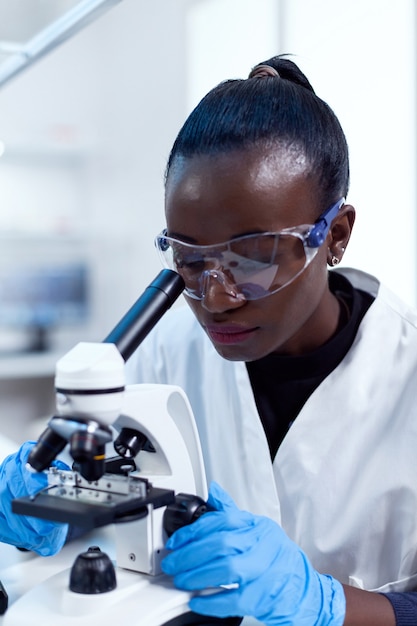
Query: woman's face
x=211 y=199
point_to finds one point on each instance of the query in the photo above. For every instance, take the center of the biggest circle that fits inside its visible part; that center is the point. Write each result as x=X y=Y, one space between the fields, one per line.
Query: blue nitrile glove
x=272 y=578
x=45 y=538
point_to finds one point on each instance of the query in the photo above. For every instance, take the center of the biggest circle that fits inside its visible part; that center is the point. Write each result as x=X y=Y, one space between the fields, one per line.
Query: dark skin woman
x=256 y=214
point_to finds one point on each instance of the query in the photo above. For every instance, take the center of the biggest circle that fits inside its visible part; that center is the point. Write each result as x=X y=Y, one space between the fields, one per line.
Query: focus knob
x=185 y=510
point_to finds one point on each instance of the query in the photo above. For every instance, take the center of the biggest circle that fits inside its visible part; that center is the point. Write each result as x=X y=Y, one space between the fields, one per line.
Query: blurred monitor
x=39 y=299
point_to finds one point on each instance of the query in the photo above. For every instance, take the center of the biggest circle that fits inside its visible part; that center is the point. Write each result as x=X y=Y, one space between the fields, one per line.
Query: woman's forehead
x=258 y=165
x=235 y=193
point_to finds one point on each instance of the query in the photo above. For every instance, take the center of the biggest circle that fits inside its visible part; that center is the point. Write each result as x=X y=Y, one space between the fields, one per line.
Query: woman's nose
x=219 y=292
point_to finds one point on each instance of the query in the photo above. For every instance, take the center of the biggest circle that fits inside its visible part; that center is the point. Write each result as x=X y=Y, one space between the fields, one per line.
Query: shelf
x=25 y=365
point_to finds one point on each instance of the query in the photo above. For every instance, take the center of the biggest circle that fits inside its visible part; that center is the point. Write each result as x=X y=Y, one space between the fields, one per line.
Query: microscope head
x=90 y=384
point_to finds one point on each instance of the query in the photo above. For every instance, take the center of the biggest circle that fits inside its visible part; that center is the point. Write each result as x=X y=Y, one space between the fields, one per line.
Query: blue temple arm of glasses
x=318 y=233
x=161 y=242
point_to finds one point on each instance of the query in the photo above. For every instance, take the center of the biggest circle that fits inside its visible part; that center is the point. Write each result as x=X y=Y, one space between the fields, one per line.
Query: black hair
x=278 y=109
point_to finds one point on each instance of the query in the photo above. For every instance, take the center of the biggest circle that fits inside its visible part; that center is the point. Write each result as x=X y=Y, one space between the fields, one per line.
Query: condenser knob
x=92 y=572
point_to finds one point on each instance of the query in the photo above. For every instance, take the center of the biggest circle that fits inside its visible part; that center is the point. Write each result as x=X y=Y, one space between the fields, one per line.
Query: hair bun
x=262 y=70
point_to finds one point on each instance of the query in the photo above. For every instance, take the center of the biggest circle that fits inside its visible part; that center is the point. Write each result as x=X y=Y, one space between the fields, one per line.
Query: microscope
x=137 y=465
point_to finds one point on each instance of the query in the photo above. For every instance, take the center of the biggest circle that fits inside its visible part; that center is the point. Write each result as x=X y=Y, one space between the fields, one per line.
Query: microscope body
x=151 y=425
x=134 y=502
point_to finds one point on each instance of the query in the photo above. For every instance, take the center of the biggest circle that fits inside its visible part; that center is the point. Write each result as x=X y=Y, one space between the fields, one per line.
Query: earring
x=333 y=259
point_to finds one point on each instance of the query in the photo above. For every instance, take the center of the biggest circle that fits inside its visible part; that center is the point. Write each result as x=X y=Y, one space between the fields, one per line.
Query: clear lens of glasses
x=257 y=265
x=252 y=266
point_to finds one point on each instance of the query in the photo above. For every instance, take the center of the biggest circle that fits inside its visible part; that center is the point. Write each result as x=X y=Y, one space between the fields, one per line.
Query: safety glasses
x=248 y=267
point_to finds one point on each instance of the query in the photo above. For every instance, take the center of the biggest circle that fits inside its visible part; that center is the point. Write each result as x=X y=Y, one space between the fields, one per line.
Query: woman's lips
x=229 y=334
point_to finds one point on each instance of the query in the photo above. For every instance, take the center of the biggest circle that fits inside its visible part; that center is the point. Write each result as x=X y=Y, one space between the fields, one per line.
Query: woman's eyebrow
x=181 y=237
x=245 y=233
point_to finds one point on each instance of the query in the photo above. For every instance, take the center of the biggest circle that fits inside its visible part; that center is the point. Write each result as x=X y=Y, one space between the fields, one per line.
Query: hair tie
x=261 y=70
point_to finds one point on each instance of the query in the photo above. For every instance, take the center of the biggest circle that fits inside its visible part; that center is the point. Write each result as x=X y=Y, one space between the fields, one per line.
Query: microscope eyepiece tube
x=157 y=298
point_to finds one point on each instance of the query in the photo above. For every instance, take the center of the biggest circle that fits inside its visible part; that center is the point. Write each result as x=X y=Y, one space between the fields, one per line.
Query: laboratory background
x=85 y=132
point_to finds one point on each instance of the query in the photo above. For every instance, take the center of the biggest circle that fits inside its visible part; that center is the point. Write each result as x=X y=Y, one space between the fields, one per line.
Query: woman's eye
x=189 y=263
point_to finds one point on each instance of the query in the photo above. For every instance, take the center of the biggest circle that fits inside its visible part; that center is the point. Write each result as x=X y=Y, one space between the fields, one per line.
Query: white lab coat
x=344 y=481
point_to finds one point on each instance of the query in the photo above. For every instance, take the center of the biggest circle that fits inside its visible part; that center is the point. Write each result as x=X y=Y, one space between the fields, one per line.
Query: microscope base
x=138 y=600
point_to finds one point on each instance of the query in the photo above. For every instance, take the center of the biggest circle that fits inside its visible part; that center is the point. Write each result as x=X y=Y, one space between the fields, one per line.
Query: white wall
x=361 y=58
x=114 y=97
x=226 y=38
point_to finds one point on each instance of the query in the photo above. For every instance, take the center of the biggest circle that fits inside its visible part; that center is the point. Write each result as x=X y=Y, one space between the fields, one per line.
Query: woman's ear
x=339 y=234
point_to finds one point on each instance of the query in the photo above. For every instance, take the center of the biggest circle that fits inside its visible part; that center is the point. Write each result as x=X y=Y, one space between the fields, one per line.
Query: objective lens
x=46 y=450
x=88 y=454
x=129 y=443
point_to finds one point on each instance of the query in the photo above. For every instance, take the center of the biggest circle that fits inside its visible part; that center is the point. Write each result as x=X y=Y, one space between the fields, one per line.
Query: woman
x=301 y=380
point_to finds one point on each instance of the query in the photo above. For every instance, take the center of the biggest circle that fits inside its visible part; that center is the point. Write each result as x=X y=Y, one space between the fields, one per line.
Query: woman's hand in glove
x=271 y=579
x=45 y=538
